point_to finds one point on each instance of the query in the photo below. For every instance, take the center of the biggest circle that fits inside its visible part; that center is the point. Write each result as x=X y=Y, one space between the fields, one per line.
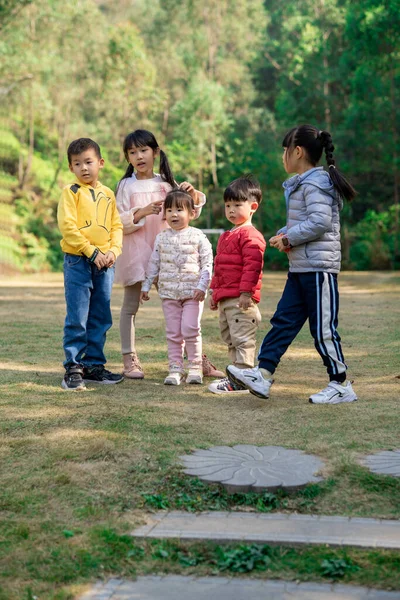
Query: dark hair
x=140 y=138
x=81 y=145
x=314 y=141
x=244 y=189
x=180 y=198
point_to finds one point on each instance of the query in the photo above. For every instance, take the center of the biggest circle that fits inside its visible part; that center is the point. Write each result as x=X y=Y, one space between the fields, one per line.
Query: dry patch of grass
x=74 y=462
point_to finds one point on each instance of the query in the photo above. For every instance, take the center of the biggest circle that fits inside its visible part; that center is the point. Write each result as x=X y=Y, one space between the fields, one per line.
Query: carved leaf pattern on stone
x=385 y=463
x=247 y=467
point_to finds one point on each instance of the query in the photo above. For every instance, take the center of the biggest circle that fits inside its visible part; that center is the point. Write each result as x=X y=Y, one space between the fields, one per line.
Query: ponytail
x=165 y=169
x=339 y=181
x=314 y=141
x=128 y=173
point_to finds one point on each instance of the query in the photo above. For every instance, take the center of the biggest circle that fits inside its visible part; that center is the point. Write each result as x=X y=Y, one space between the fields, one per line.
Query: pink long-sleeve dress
x=139 y=238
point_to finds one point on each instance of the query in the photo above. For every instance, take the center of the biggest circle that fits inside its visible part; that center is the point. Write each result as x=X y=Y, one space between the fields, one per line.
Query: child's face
x=142 y=159
x=177 y=218
x=86 y=166
x=292 y=159
x=239 y=211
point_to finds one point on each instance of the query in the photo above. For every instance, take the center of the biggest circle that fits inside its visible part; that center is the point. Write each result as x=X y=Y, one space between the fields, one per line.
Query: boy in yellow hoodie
x=91 y=240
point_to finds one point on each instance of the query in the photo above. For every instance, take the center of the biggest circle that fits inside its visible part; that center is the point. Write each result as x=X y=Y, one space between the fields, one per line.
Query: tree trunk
x=27 y=170
x=62 y=128
x=327 y=110
x=214 y=164
x=396 y=178
x=320 y=11
x=164 y=127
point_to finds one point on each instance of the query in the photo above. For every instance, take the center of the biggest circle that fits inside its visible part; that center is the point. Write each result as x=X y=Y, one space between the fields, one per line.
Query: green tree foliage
x=373 y=57
x=219 y=83
x=9 y=10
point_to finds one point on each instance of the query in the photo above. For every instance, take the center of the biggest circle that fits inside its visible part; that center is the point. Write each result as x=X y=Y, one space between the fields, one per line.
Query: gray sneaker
x=251 y=379
x=73 y=379
x=334 y=393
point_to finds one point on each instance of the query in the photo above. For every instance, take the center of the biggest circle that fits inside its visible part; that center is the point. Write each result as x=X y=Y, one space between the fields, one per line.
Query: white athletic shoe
x=194 y=375
x=175 y=377
x=334 y=393
x=226 y=386
x=251 y=379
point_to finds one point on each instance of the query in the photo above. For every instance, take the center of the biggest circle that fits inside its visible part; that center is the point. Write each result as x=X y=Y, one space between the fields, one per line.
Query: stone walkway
x=252 y=527
x=173 y=587
x=275 y=528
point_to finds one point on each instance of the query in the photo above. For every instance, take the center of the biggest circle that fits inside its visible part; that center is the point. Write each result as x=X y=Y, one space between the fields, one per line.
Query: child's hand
x=245 y=301
x=110 y=256
x=213 y=305
x=276 y=242
x=144 y=296
x=154 y=208
x=198 y=295
x=101 y=261
x=187 y=187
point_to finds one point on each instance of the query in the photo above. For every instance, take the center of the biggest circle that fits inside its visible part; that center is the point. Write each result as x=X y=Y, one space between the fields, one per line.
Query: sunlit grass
x=72 y=462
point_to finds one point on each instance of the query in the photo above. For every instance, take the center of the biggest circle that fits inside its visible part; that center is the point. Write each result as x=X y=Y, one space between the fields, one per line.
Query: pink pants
x=182 y=325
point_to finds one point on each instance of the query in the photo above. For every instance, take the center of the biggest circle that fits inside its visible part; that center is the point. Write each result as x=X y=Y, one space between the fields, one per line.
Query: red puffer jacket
x=238 y=264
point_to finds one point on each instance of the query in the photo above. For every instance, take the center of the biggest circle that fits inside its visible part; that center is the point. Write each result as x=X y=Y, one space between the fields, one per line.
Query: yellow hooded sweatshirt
x=88 y=219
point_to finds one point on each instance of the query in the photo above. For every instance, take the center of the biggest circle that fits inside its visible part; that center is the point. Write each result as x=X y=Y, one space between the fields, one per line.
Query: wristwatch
x=285 y=242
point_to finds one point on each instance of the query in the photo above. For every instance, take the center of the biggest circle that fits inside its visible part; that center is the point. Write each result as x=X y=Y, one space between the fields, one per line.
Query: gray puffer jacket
x=313 y=224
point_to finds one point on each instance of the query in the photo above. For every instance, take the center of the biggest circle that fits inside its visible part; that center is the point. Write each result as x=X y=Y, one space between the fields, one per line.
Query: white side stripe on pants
x=326 y=317
x=333 y=286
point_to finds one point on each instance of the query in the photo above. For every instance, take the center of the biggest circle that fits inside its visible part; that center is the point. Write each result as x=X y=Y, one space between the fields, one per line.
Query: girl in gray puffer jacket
x=312 y=240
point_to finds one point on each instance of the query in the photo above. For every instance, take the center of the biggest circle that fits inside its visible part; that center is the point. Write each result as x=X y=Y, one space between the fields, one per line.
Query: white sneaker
x=334 y=393
x=194 y=375
x=174 y=378
x=251 y=379
x=225 y=386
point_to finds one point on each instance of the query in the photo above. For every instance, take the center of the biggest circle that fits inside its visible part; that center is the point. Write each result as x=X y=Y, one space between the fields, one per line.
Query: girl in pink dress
x=140 y=198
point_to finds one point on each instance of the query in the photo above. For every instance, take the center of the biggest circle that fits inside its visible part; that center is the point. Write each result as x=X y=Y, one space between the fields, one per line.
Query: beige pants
x=129 y=308
x=238 y=330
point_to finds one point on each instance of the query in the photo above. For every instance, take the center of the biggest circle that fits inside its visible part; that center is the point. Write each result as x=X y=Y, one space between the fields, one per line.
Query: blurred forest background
x=218 y=82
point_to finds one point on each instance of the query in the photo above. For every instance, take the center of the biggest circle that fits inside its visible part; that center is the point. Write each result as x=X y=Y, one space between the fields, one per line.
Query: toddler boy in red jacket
x=236 y=285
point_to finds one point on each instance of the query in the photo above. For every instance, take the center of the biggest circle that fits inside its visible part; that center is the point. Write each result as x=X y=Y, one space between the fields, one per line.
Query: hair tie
x=319 y=133
x=331 y=167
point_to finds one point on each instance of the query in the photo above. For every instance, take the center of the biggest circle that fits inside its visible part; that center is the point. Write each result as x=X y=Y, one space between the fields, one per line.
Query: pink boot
x=209 y=370
x=132 y=367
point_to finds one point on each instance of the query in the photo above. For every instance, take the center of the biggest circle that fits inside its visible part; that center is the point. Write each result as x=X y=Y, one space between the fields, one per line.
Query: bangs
x=140 y=138
x=180 y=200
x=288 y=140
x=243 y=189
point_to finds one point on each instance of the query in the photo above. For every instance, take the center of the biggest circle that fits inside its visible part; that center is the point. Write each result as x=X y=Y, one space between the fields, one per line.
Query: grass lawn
x=79 y=470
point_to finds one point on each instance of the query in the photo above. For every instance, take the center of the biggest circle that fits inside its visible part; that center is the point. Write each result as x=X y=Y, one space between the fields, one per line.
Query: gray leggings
x=129 y=308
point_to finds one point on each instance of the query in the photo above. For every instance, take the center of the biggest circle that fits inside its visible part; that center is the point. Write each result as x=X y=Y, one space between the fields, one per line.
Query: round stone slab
x=384 y=463
x=245 y=468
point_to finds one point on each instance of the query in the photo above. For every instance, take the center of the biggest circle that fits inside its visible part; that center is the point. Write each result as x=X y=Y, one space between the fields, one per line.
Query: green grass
x=71 y=556
x=76 y=466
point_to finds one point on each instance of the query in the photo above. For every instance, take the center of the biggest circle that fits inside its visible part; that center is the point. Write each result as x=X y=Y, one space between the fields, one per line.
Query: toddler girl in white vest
x=182 y=261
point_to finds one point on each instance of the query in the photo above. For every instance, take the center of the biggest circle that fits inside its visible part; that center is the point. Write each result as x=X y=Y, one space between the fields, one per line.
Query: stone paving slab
x=173 y=587
x=245 y=467
x=276 y=528
x=384 y=463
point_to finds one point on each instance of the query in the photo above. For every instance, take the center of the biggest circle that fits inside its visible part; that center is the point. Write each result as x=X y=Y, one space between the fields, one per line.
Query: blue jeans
x=88 y=296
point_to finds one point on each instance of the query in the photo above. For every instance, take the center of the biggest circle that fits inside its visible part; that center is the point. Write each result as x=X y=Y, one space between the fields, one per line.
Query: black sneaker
x=99 y=374
x=73 y=380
